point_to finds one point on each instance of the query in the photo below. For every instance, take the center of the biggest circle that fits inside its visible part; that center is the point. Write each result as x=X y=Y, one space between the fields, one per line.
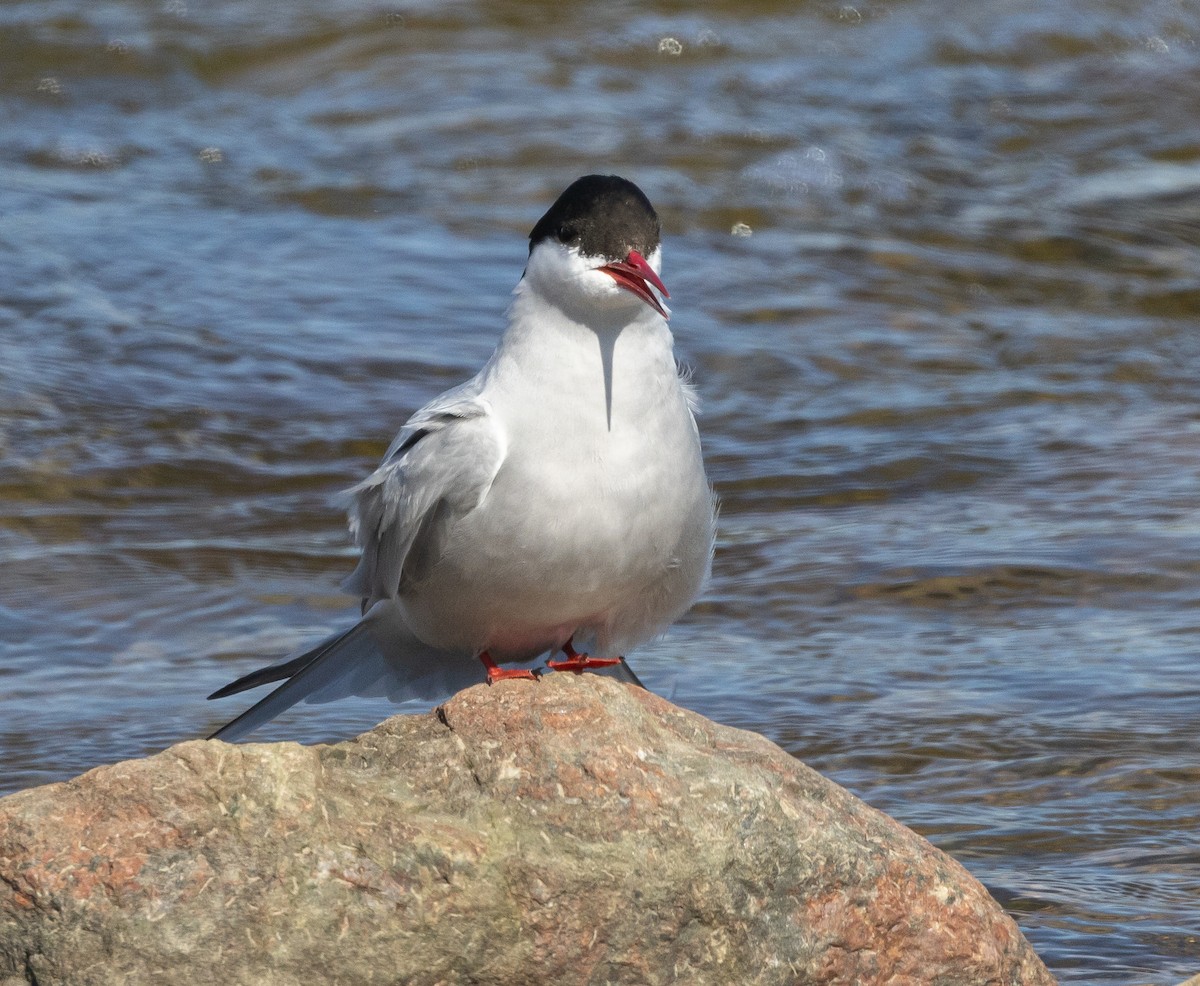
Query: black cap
x=604 y=215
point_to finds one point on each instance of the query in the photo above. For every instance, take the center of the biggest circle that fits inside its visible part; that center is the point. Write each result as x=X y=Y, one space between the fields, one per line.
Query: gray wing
x=439 y=468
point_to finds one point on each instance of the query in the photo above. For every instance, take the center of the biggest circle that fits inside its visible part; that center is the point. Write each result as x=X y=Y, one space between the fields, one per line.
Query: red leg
x=578 y=662
x=496 y=673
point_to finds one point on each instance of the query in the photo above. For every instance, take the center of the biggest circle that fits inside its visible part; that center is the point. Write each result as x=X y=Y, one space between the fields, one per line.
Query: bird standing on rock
x=557 y=499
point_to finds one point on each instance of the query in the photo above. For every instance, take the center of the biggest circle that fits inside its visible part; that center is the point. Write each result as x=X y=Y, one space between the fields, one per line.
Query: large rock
x=575 y=830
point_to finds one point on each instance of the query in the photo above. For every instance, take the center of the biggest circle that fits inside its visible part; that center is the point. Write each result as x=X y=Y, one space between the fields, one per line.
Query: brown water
x=950 y=380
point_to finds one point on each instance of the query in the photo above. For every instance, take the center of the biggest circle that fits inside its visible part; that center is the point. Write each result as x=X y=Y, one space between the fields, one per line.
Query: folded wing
x=439 y=468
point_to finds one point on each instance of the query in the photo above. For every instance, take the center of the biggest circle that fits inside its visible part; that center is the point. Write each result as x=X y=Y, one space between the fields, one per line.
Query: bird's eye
x=568 y=234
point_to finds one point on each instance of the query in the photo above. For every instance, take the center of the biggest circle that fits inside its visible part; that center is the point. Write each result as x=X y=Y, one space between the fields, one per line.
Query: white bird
x=557 y=499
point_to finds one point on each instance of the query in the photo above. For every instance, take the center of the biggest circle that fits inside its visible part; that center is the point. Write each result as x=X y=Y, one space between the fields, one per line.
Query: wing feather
x=439 y=468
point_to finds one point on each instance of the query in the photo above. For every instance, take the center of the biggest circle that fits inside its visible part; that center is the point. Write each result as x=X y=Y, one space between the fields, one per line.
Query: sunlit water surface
x=935 y=267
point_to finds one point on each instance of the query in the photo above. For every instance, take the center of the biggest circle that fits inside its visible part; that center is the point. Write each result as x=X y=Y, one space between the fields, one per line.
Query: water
x=935 y=268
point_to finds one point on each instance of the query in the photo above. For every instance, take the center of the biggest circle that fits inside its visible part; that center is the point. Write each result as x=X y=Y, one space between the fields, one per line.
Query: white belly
x=600 y=533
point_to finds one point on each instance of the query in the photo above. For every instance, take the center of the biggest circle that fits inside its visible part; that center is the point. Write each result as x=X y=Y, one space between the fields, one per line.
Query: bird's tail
x=379 y=657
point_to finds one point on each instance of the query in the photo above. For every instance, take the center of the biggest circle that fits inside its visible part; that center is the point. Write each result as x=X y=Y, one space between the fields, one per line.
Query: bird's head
x=597 y=247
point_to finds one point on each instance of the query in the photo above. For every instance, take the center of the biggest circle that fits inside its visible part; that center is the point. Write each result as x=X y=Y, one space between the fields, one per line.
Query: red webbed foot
x=496 y=673
x=578 y=662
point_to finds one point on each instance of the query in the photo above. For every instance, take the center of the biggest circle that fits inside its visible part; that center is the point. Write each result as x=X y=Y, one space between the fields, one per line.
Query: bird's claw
x=496 y=673
x=581 y=662
x=500 y=674
x=578 y=662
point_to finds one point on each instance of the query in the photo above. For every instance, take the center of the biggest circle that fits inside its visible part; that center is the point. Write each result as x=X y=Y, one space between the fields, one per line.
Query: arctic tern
x=556 y=500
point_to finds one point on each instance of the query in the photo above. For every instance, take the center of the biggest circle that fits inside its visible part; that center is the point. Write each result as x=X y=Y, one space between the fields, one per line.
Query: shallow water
x=935 y=269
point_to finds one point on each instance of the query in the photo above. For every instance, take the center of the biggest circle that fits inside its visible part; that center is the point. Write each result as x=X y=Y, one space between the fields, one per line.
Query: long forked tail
x=286 y=668
x=377 y=657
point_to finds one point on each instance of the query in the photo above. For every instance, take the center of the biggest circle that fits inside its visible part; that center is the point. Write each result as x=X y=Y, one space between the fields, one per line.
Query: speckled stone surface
x=572 y=830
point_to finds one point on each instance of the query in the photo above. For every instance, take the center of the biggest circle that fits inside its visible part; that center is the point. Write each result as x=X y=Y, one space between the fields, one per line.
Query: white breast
x=599 y=522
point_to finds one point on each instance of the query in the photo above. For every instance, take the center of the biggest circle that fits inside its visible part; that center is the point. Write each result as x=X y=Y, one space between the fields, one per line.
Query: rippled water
x=935 y=266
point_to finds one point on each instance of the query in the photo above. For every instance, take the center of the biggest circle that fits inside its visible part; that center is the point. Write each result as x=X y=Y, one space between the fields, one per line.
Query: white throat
x=560 y=341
